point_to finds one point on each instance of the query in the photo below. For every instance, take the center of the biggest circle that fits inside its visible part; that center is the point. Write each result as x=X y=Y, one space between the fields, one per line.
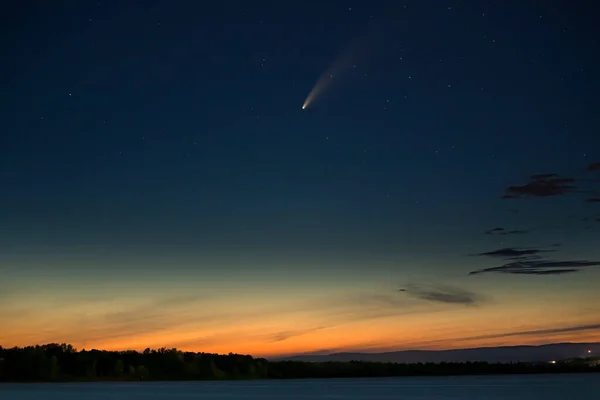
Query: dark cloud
x=535 y=261
x=590 y=220
x=543 y=176
x=504 y=232
x=524 y=258
x=539 y=267
x=509 y=252
x=542 y=185
x=531 y=261
x=594 y=167
x=442 y=294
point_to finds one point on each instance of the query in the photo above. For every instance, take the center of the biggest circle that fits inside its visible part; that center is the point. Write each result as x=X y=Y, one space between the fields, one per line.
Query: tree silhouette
x=61 y=362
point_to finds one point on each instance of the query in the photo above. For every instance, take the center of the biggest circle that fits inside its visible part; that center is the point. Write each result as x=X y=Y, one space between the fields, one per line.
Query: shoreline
x=441 y=375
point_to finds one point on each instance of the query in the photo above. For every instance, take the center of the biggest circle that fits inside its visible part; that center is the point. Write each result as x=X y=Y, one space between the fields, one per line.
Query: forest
x=62 y=362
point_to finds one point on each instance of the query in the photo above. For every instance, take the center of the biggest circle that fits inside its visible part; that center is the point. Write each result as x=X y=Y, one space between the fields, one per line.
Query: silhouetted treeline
x=61 y=362
x=364 y=369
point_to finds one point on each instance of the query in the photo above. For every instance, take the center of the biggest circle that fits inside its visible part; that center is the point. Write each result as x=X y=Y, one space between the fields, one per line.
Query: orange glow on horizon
x=288 y=337
x=288 y=321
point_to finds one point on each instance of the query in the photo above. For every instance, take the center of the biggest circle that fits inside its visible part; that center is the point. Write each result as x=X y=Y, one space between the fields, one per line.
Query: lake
x=518 y=387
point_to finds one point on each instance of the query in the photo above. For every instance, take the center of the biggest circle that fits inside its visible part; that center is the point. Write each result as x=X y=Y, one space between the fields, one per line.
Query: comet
x=327 y=78
x=345 y=63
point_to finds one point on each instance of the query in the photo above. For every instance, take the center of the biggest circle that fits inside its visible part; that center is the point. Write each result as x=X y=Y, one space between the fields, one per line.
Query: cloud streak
x=535 y=332
x=523 y=333
x=529 y=261
x=285 y=335
x=539 y=267
x=542 y=185
x=442 y=294
x=509 y=252
x=505 y=232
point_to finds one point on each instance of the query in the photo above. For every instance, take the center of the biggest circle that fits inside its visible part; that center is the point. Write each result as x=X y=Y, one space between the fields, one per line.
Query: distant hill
x=505 y=354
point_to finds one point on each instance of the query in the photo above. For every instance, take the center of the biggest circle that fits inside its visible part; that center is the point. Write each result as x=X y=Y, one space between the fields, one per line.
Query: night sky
x=161 y=184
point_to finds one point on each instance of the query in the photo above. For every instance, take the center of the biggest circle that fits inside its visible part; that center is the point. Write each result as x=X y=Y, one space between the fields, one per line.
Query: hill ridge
x=517 y=353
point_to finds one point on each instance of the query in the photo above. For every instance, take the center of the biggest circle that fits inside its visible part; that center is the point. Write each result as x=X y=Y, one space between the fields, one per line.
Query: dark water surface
x=521 y=387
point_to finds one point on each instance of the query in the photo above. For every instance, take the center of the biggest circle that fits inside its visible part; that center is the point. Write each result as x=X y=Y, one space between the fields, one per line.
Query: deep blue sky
x=153 y=141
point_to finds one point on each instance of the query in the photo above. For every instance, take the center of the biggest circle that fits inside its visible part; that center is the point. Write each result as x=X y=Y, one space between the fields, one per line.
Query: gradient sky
x=160 y=184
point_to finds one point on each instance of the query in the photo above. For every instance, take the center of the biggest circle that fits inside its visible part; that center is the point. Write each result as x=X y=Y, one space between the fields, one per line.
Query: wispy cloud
x=529 y=261
x=537 y=260
x=125 y=323
x=524 y=333
x=442 y=294
x=384 y=346
x=535 y=265
x=542 y=185
x=514 y=252
x=539 y=267
x=152 y=310
x=285 y=335
x=334 y=311
x=88 y=328
x=536 y=332
x=505 y=232
x=365 y=306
